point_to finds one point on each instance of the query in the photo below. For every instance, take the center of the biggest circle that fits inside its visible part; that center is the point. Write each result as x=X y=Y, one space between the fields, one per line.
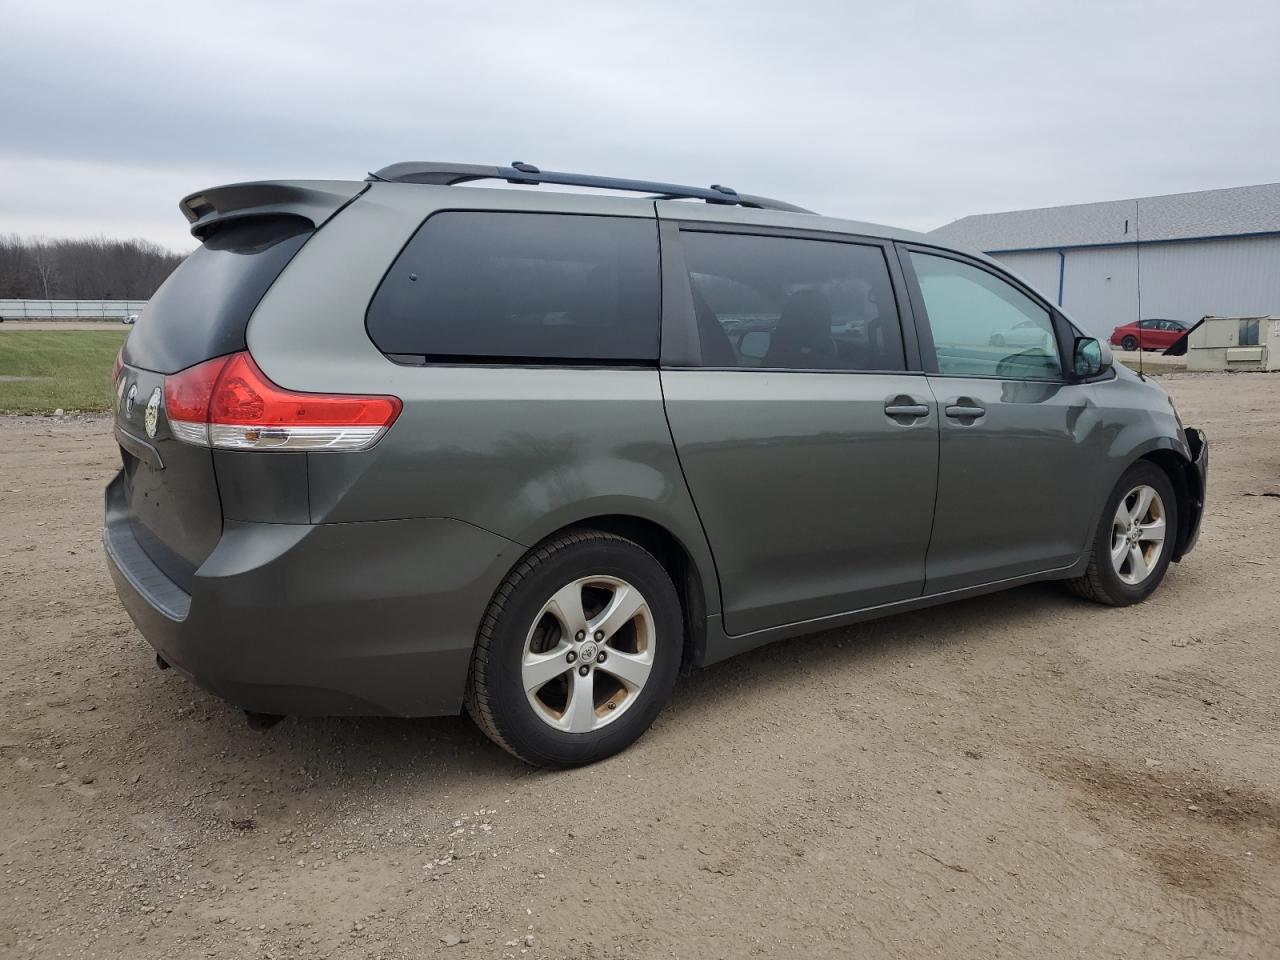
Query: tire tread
x=1095 y=584
x=1090 y=585
x=477 y=698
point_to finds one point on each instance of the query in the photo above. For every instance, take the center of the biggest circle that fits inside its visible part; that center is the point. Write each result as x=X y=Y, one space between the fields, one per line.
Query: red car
x=1147 y=334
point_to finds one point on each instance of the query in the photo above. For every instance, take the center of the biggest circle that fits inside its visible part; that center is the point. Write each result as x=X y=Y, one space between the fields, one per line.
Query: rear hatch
x=169 y=491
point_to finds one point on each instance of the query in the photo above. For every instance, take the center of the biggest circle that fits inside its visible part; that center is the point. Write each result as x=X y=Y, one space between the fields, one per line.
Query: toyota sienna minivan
x=402 y=445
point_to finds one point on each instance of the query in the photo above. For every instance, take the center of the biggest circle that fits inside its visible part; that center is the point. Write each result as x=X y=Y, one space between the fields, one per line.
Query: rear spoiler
x=313 y=200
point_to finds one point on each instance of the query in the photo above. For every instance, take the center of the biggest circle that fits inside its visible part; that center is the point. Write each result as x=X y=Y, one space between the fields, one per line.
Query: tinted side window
x=522 y=286
x=785 y=303
x=983 y=326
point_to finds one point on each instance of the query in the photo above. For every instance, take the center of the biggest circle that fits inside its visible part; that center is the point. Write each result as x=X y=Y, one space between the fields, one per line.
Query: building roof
x=1232 y=212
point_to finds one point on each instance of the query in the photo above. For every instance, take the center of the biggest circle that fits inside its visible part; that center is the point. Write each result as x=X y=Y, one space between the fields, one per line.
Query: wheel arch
x=1186 y=489
x=679 y=562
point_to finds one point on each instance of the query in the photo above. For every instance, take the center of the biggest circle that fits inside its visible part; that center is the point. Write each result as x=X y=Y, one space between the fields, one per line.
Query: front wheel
x=1134 y=541
x=1129 y=343
x=578 y=651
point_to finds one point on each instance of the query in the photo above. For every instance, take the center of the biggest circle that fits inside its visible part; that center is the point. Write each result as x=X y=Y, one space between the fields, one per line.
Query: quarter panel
x=275 y=609
x=516 y=450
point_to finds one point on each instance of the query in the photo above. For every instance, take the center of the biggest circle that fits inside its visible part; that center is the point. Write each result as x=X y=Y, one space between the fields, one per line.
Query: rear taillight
x=117 y=366
x=229 y=403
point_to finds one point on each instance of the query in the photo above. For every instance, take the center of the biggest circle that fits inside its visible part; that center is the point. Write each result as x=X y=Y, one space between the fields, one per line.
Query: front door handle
x=965 y=409
x=905 y=407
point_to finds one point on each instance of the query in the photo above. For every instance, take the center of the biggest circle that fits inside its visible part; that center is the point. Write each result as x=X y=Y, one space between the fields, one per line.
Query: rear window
x=203 y=309
x=522 y=286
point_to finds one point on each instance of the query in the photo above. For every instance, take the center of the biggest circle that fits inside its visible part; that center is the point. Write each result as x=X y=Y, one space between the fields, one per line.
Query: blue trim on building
x=1130 y=243
x=1062 y=274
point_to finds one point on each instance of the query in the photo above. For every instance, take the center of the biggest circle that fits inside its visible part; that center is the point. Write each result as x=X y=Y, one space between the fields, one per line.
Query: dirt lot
x=1023 y=775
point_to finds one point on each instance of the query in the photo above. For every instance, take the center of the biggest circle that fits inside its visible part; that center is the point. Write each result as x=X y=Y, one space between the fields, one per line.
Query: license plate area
x=138 y=451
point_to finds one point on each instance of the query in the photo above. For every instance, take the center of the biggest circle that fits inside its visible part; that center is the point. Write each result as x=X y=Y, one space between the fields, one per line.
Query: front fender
x=1195 y=473
x=1185 y=457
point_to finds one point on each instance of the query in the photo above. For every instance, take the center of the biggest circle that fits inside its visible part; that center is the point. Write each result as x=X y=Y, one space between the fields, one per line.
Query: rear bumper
x=1197 y=484
x=344 y=618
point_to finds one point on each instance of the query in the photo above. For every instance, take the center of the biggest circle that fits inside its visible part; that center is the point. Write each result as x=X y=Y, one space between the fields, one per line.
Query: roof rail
x=448 y=174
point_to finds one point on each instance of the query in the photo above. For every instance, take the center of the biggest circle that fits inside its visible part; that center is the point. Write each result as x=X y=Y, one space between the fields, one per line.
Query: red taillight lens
x=228 y=402
x=117 y=366
x=187 y=394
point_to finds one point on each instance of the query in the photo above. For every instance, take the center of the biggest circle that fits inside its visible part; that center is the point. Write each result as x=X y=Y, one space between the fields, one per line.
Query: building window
x=1248 y=332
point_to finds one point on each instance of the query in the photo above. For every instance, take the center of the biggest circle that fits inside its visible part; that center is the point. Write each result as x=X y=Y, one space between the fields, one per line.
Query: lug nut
x=599 y=634
x=583 y=670
x=580 y=635
x=570 y=657
x=600 y=657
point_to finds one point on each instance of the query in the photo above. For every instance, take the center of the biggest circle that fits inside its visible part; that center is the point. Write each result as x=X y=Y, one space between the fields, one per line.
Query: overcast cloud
x=899 y=112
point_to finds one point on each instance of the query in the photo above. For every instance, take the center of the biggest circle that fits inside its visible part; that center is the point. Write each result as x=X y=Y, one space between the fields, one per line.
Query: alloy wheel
x=588 y=653
x=1138 y=534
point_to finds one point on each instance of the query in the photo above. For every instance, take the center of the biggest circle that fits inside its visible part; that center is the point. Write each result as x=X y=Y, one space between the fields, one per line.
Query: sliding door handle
x=906 y=409
x=965 y=409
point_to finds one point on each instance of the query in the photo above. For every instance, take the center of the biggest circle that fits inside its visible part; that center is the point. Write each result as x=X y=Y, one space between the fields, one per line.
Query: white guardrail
x=69 y=309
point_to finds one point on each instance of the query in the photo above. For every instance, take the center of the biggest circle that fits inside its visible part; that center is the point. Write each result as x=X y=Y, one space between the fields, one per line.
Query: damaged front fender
x=1195 y=475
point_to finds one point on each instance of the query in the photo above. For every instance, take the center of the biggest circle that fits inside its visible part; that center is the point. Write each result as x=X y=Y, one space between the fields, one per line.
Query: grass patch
x=70 y=369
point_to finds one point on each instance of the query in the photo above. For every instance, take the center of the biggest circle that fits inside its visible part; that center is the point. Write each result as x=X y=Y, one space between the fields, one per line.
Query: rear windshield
x=203 y=309
x=522 y=287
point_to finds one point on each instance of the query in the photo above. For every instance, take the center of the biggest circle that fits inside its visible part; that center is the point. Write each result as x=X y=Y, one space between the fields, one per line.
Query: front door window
x=983 y=326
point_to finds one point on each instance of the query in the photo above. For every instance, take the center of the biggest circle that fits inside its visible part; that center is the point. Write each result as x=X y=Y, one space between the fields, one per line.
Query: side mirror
x=1090 y=358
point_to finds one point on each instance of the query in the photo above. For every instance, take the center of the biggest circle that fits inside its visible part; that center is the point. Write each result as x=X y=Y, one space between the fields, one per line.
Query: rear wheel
x=1130 y=343
x=1134 y=540
x=578 y=651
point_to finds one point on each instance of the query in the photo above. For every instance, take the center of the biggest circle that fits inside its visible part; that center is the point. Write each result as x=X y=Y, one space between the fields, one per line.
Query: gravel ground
x=1023 y=775
x=1150 y=361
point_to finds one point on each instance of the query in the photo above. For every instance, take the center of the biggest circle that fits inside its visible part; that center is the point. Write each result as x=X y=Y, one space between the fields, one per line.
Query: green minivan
x=404 y=445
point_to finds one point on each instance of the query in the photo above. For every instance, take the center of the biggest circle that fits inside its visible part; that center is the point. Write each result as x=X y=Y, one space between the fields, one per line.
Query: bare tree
x=82 y=269
x=44 y=260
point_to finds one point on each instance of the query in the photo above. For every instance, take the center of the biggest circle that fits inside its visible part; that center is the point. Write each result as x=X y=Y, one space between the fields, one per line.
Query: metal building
x=1191 y=254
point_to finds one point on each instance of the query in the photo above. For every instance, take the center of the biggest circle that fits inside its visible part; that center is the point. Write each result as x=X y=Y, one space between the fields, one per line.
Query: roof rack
x=448 y=174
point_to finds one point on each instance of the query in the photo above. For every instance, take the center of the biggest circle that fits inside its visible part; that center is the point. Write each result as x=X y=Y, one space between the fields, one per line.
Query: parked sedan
x=1148 y=334
x=1028 y=333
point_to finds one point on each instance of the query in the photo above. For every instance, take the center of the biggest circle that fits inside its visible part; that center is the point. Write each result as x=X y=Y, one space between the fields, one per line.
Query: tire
x=1129 y=343
x=997 y=340
x=1102 y=581
x=525 y=633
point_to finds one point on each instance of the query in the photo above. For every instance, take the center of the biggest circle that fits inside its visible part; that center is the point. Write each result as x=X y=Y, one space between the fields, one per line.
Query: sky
x=899 y=112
